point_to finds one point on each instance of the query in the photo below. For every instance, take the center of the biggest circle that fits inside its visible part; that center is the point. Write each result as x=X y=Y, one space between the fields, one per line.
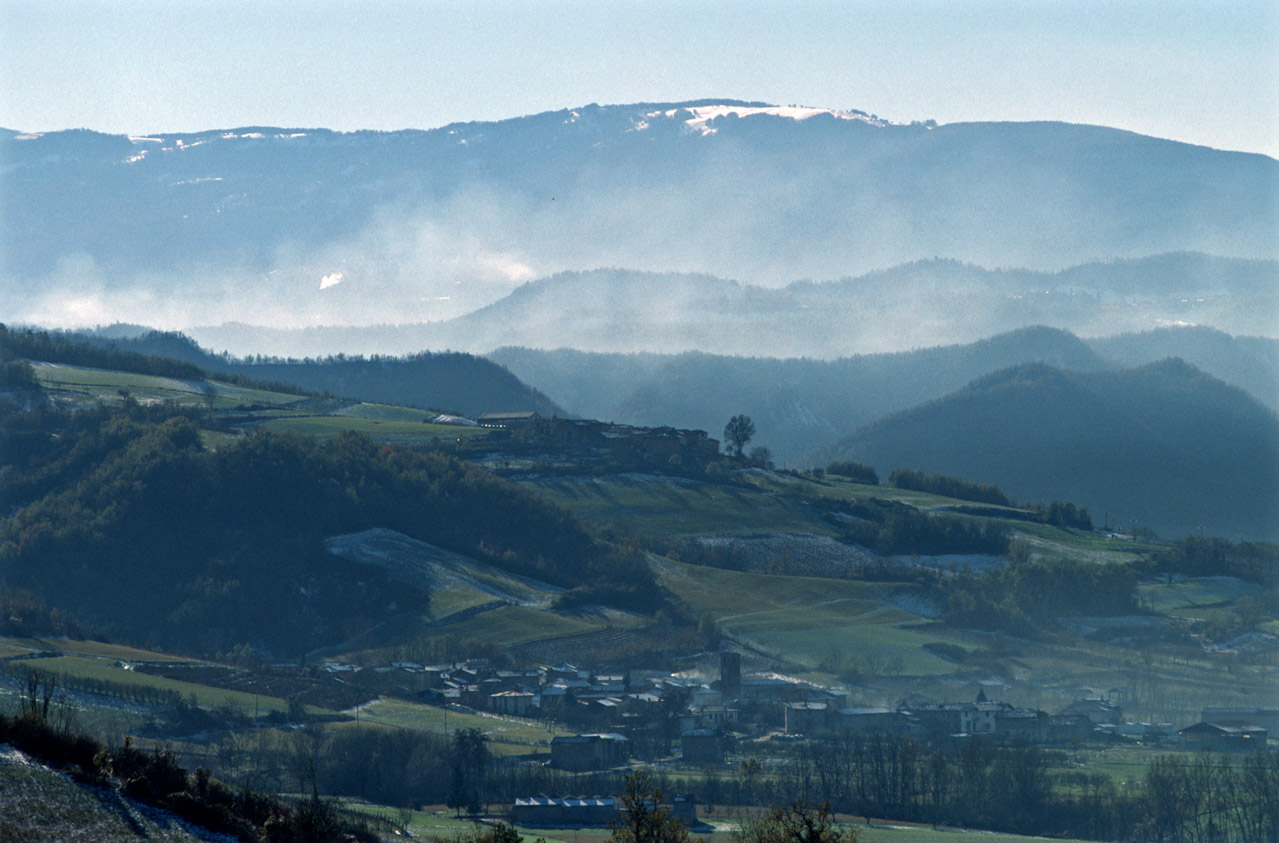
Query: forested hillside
x=128 y=521
x=1164 y=445
x=446 y=381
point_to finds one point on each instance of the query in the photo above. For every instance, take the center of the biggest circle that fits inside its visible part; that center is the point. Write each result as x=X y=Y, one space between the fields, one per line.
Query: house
x=515 y=703
x=1098 y=711
x=708 y=717
x=1021 y=725
x=701 y=746
x=565 y=811
x=771 y=690
x=873 y=719
x=1069 y=728
x=974 y=718
x=1267 y=718
x=806 y=718
x=1224 y=737
x=578 y=753
x=510 y=421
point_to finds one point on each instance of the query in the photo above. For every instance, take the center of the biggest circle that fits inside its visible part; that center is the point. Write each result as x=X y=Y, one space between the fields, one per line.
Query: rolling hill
x=1163 y=445
x=451 y=382
x=799 y=405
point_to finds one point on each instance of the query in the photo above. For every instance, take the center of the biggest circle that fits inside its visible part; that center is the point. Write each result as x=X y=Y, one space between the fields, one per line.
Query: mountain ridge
x=425 y=224
x=918 y=304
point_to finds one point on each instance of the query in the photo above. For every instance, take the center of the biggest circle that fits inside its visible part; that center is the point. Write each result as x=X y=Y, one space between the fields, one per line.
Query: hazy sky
x=1205 y=72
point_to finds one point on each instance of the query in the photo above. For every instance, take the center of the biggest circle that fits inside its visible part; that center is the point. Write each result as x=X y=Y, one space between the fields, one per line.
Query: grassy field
x=507 y=735
x=99 y=668
x=1194 y=594
x=377 y=428
x=649 y=505
x=14 y=646
x=514 y=625
x=808 y=618
x=377 y=420
x=440 y=821
x=107 y=385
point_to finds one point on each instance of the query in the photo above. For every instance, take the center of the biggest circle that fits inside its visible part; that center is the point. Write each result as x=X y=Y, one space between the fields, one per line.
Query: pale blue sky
x=1205 y=72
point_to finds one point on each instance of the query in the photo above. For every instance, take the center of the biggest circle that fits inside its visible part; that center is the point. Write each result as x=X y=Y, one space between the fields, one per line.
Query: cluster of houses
x=1081 y=721
x=598 y=437
x=612 y=710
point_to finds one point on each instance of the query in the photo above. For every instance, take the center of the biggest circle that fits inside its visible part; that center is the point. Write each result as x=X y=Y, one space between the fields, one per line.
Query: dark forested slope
x=449 y=381
x=1163 y=445
x=128 y=521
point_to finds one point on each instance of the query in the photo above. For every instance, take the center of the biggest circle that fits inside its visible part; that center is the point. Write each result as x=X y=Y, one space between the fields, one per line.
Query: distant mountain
x=910 y=306
x=1163 y=445
x=1250 y=363
x=450 y=381
x=309 y=226
x=797 y=404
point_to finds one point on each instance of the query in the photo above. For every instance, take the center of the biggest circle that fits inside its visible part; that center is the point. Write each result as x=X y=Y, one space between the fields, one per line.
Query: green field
x=100 y=668
x=15 y=646
x=440 y=822
x=1198 y=593
x=650 y=505
x=808 y=618
x=507 y=735
x=376 y=428
x=107 y=385
x=283 y=411
x=513 y=625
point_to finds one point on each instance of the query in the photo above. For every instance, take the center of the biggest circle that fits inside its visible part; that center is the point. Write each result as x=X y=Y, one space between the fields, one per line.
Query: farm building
x=564 y=811
x=589 y=752
x=1224 y=737
x=1266 y=718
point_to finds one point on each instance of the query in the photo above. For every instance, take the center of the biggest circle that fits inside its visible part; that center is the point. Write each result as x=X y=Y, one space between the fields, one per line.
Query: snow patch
x=704 y=114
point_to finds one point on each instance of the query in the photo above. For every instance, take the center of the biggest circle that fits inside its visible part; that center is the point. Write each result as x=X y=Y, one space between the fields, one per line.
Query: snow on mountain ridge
x=704 y=115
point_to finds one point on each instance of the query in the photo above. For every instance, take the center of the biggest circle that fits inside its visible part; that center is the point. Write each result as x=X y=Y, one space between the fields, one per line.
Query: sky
x=1204 y=72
